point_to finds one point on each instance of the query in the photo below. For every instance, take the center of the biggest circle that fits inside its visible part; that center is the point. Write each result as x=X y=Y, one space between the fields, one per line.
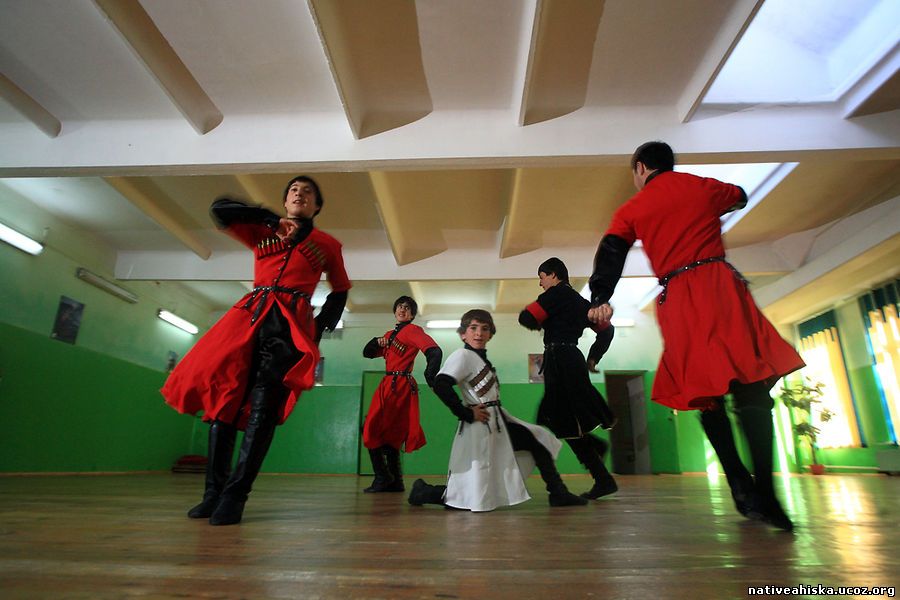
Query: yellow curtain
x=884 y=334
x=825 y=363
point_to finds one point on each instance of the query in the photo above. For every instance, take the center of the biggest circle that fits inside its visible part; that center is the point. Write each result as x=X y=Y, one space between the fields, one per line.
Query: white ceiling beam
x=28 y=107
x=510 y=241
x=375 y=57
x=143 y=194
x=417 y=291
x=409 y=240
x=824 y=284
x=762 y=190
x=141 y=33
x=527 y=36
x=727 y=37
x=884 y=217
x=871 y=236
x=446 y=140
x=560 y=53
x=876 y=91
x=454 y=264
x=255 y=194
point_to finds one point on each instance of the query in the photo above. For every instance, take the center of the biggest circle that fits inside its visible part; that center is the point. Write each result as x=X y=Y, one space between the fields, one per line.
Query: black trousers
x=273 y=357
x=753 y=407
x=522 y=439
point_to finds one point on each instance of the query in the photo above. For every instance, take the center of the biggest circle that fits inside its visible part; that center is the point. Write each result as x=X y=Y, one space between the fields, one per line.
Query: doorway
x=629 y=439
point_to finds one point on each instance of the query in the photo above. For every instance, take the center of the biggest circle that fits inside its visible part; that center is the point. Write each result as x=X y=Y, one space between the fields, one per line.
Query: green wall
x=93 y=405
x=321 y=435
x=75 y=409
x=865 y=392
x=66 y=408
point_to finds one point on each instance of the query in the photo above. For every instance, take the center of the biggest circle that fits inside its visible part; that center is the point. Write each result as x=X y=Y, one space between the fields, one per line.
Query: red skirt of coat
x=213 y=376
x=714 y=334
x=393 y=417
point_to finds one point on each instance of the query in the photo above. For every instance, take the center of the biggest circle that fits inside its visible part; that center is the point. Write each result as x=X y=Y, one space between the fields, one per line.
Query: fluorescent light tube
x=20 y=241
x=107 y=286
x=177 y=321
x=443 y=324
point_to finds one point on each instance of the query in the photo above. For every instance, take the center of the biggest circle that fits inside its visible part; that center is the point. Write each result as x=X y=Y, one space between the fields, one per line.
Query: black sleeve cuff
x=443 y=387
x=331 y=312
x=740 y=203
x=526 y=319
x=371 y=349
x=433 y=357
x=225 y=212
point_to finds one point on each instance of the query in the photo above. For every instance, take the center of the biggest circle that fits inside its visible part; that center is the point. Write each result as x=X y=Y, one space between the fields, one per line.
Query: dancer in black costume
x=571 y=407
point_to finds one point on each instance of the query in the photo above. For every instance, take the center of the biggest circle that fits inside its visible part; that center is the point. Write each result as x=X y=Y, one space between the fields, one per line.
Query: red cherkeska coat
x=712 y=329
x=393 y=417
x=213 y=376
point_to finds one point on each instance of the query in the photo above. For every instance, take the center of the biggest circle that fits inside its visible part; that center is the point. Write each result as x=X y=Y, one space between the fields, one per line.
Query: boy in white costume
x=493 y=452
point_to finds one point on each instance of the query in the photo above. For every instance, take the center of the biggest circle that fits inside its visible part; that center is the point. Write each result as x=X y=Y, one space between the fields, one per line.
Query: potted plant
x=800 y=399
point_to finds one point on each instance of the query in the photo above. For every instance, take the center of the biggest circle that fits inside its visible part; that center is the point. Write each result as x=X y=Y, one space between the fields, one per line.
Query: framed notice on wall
x=68 y=320
x=535 y=368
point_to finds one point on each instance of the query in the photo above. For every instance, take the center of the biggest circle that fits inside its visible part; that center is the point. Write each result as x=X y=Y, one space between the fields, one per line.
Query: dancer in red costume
x=249 y=369
x=716 y=339
x=393 y=419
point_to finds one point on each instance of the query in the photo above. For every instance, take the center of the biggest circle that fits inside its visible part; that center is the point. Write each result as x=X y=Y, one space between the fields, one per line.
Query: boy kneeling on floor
x=493 y=452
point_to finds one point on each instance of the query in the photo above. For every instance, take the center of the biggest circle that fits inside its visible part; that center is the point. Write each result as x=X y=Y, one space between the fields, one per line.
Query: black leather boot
x=383 y=478
x=589 y=451
x=392 y=458
x=221 y=449
x=756 y=421
x=717 y=426
x=423 y=493
x=257 y=439
x=559 y=493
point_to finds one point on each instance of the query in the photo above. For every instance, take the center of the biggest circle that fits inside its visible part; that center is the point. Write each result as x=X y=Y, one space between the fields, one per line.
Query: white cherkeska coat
x=485 y=472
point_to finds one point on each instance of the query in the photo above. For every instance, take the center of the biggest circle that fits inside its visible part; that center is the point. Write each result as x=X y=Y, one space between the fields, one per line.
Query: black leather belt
x=665 y=279
x=262 y=292
x=489 y=404
x=408 y=374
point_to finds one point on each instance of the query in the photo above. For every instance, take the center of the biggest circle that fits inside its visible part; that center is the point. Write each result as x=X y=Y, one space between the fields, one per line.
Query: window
x=879 y=309
x=821 y=350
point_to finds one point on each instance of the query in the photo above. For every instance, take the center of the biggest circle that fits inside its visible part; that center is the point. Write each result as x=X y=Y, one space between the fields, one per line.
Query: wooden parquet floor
x=127 y=536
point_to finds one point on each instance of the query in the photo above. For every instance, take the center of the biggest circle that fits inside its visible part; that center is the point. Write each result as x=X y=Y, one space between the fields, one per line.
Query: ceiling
x=458 y=144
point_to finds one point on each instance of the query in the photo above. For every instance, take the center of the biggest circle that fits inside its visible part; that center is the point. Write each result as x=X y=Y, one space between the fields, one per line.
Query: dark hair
x=554 y=266
x=655 y=156
x=413 y=307
x=319 y=199
x=476 y=314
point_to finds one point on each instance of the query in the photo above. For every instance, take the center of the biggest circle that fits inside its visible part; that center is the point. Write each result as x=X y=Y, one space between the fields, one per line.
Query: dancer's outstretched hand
x=592 y=366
